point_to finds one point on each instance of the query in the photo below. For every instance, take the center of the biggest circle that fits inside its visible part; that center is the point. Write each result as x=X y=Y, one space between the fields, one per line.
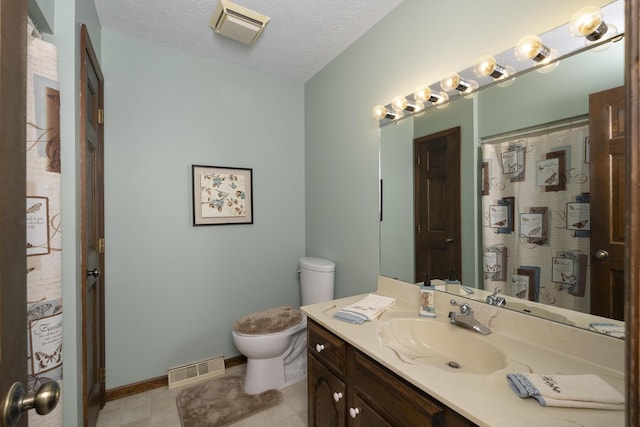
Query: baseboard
x=159 y=382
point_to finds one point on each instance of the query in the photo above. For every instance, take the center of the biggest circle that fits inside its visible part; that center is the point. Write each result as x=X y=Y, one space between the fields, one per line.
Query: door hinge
x=100 y=116
x=101 y=245
x=101 y=375
x=418 y=229
x=418 y=160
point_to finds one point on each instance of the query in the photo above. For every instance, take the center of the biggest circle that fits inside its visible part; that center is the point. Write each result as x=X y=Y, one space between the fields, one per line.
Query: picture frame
x=221 y=195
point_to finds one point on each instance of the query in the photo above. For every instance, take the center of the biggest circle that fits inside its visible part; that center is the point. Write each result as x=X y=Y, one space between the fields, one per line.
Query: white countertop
x=486 y=399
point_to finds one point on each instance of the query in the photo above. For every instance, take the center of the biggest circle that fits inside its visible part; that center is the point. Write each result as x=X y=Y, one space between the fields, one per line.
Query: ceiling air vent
x=237 y=22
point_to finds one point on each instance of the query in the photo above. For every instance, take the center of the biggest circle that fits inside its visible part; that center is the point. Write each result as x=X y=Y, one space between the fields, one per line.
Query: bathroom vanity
x=346 y=387
x=369 y=375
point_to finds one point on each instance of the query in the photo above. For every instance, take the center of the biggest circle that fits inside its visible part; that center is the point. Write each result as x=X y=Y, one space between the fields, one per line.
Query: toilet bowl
x=274 y=341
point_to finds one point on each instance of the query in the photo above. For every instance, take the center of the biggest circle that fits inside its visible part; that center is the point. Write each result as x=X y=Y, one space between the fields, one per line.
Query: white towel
x=575 y=391
x=367 y=309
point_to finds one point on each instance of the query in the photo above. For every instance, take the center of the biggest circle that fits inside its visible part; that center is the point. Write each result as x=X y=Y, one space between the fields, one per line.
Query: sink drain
x=453 y=364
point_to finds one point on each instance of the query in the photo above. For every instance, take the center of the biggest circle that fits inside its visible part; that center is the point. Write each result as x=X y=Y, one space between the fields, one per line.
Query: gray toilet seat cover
x=268 y=321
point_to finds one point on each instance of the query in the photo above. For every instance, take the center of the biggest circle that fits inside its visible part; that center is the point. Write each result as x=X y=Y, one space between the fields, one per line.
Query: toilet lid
x=268 y=321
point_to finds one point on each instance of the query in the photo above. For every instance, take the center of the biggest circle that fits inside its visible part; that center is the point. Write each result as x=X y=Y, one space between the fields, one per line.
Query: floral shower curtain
x=44 y=239
x=535 y=215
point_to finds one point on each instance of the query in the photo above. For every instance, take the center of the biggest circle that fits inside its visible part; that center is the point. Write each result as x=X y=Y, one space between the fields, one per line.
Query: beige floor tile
x=157 y=408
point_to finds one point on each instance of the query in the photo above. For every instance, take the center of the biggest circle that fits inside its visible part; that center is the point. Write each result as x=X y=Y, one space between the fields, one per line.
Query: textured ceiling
x=302 y=37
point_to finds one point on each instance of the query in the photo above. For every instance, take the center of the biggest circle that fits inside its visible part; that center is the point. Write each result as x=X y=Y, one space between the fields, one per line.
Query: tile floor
x=157 y=408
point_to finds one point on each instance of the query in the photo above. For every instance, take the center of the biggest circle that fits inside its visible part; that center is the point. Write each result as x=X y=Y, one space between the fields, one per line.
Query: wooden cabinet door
x=327 y=396
x=366 y=416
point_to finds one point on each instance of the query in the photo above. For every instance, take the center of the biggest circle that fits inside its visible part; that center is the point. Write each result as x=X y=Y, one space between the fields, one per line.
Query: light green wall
x=397 y=257
x=173 y=290
x=416 y=44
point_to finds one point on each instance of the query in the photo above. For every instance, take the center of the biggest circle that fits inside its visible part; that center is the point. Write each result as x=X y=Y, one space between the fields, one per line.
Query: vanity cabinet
x=348 y=388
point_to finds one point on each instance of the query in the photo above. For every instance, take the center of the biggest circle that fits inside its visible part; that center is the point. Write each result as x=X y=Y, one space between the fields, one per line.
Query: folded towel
x=367 y=309
x=611 y=329
x=575 y=391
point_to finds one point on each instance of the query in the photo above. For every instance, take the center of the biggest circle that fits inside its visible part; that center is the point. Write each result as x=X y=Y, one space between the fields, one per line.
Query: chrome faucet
x=494 y=299
x=465 y=318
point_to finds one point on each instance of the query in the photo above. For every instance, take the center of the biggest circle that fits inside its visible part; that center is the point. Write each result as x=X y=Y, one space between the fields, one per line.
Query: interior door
x=13 y=248
x=607 y=171
x=437 y=205
x=92 y=229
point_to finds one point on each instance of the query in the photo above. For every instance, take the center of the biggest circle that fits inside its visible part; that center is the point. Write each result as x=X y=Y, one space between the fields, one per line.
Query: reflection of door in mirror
x=437 y=205
x=607 y=148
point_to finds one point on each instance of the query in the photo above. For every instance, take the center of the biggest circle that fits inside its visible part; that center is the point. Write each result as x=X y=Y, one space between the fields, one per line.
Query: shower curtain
x=535 y=215
x=44 y=239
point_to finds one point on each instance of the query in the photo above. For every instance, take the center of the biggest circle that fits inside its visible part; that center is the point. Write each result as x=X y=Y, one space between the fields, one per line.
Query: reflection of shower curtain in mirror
x=535 y=215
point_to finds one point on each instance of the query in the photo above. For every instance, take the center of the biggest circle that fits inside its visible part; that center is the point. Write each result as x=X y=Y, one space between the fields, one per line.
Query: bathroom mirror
x=553 y=97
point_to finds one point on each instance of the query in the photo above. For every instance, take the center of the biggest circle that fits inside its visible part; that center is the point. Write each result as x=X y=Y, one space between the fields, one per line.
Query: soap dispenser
x=452 y=284
x=427 y=298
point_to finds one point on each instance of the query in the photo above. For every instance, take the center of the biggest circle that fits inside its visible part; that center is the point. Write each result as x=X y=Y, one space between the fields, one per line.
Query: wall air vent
x=194 y=372
x=237 y=22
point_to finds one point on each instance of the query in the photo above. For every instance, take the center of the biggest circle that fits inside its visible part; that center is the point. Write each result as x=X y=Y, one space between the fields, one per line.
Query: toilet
x=274 y=341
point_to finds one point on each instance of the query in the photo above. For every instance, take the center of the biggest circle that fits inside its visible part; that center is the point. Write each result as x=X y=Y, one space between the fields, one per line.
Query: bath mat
x=221 y=402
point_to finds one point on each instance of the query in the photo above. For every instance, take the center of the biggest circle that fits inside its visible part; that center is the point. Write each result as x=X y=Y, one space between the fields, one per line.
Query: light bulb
x=531 y=47
x=422 y=94
x=454 y=82
x=440 y=100
x=469 y=92
x=553 y=55
x=588 y=22
x=399 y=103
x=487 y=66
x=380 y=112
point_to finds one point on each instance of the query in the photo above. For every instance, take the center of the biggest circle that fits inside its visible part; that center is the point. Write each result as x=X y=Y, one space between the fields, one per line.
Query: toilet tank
x=316 y=279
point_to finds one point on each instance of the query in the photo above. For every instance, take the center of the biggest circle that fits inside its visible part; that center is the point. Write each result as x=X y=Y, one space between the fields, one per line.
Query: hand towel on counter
x=574 y=391
x=367 y=309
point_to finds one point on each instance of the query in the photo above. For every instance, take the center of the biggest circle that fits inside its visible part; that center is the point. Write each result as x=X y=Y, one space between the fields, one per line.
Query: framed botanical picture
x=222 y=195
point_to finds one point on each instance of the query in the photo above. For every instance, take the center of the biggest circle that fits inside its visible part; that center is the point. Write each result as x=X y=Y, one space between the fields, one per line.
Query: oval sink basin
x=441 y=344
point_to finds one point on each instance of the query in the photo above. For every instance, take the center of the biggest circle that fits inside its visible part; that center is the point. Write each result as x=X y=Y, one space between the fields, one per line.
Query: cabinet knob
x=337 y=397
x=354 y=412
x=319 y=347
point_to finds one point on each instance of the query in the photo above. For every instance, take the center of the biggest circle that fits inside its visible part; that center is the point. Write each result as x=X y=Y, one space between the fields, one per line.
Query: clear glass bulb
x=379 y=112
x=469 y=92
x=531 y=47
x=586 y=22
x=506 y=79
x=553 y=55
x=485 y=66
x=451 y=82
x=399 y=103
x=422 y=94
x=443 y=100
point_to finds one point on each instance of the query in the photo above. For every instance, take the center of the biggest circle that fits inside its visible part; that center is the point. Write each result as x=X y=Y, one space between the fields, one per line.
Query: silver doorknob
x=601 y=254
x=18 y=401
x=94 y=273
x=450 y=239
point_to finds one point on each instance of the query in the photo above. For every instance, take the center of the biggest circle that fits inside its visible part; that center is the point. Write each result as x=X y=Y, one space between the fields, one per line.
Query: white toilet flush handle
x=337 y=396
x=319 y=347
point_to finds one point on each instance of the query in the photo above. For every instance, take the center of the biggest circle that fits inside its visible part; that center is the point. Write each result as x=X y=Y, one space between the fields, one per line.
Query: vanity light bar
x=542 y=53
